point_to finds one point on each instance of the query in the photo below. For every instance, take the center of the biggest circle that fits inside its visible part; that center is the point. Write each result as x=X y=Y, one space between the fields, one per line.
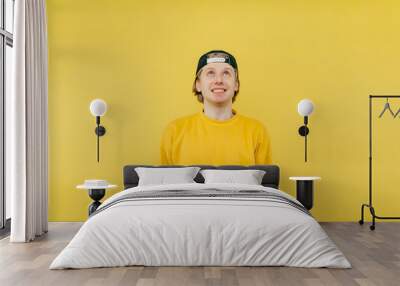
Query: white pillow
x=162 y=176
x=248 y=177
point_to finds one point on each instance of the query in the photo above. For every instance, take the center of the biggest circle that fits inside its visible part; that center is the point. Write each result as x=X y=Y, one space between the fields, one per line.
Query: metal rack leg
x=361 y=221
x=374 y=216
x=372 y=210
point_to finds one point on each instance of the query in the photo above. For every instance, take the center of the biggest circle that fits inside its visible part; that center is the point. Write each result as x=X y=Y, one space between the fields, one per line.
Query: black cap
x=216 y=56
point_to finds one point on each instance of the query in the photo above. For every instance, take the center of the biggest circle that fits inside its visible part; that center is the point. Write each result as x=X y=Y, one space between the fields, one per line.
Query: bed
x=201 y=224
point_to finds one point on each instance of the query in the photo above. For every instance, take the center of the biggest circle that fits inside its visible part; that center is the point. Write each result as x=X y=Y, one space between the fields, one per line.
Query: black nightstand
x=96 y=193
x=305 y=190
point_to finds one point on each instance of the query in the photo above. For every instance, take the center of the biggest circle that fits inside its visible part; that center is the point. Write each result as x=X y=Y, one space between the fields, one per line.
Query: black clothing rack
x=369 y=205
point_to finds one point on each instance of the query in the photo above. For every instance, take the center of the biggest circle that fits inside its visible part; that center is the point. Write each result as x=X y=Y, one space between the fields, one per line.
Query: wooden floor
x=375 y=257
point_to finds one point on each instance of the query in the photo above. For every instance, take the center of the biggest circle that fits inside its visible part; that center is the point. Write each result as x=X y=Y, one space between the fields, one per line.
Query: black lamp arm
x=303 y=131
x=100 y=131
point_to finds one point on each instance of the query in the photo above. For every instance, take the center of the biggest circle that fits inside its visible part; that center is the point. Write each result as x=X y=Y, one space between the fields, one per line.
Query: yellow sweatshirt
x=197 y=139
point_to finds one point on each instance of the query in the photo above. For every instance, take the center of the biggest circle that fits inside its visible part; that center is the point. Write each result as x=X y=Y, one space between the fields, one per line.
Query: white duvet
x=200 y=231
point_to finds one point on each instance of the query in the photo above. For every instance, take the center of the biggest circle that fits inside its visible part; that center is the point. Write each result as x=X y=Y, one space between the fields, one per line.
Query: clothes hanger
x=398 y=112
x=387 y=107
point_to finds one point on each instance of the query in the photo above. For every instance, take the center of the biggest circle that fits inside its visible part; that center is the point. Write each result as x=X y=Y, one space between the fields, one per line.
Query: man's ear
x=236 y=86
x=198 y=86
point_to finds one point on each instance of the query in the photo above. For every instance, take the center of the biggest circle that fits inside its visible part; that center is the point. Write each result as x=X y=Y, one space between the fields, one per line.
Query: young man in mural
x=218 y=135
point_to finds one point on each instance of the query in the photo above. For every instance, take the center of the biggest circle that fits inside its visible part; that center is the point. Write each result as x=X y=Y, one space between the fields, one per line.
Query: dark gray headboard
x=271 y=177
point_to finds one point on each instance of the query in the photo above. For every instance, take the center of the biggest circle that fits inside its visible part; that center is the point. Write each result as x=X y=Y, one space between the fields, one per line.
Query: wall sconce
x=305 y=108
x=98 y=107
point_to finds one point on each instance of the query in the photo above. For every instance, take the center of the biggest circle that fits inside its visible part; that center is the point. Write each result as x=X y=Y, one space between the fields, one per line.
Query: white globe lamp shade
x=305 y=107
x=98 y=107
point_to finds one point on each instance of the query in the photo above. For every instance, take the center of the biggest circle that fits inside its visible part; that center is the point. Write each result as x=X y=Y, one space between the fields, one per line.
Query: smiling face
x=217 y=82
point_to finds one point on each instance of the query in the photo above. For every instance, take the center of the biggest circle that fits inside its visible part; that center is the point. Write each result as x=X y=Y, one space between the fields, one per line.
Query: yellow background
x=140 y=57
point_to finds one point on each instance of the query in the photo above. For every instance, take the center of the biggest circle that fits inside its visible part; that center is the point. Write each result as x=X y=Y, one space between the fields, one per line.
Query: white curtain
x=27 y=123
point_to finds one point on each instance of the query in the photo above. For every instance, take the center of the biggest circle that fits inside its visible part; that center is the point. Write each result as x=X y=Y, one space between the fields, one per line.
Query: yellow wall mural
x=141 y=56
